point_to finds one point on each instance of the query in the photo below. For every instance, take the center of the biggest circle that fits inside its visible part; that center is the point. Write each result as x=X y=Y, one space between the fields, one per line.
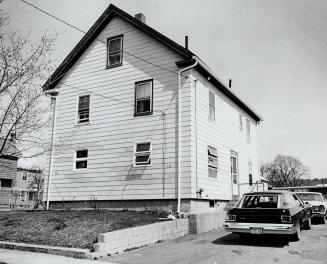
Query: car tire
x=307 y=224
x=297 y=234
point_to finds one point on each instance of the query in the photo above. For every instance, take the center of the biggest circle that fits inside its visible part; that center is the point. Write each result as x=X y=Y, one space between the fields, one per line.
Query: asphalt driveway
x=221 y=247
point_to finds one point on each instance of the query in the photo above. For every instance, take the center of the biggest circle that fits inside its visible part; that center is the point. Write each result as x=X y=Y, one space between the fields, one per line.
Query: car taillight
x=322 y=208
x=286 y=219
x=230 y=218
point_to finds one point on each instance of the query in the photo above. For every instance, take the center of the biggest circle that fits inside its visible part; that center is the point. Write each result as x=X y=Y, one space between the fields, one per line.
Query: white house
x=141 y=121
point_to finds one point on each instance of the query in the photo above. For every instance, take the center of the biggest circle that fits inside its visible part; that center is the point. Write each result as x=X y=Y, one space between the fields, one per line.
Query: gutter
x=53 y=94
x=179 y=170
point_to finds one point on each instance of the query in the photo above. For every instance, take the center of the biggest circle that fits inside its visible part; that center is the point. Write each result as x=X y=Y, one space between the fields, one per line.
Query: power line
x=84 y=32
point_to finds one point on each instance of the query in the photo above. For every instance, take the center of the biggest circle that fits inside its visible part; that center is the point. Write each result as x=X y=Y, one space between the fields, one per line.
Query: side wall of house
x=112 y=131
x=8 y=168
x=225 y=135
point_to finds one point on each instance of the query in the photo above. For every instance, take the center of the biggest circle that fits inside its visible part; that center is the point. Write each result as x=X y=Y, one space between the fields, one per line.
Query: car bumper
x=318 y=214
x=235 y=227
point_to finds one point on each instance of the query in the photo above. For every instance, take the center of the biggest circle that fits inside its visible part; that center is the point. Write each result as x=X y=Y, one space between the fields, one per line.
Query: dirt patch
x=78 y=229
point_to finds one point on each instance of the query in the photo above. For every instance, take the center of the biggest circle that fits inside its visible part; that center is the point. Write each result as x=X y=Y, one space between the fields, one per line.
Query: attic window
x=115 y=51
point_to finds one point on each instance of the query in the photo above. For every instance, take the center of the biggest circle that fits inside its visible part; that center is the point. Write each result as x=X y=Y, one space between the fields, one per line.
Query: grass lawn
x=78 y=229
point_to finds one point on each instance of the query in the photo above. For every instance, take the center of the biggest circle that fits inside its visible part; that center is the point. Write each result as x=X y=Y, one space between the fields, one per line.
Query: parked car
x=269 y=212
x=317 y=202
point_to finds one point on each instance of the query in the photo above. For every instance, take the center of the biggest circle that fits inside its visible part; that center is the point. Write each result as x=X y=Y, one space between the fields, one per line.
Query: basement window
x=212 y=162
x=142 y=154
x=115 y=51
x=143 y=97
x=83 y=114
x=81 y=159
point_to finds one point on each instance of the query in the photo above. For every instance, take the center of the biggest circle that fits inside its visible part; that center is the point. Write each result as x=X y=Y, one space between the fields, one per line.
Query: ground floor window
x=81 y=159
x=7 y=183
x=142 y=154
x=212 y=162
x=250 y=173
x=234 y=167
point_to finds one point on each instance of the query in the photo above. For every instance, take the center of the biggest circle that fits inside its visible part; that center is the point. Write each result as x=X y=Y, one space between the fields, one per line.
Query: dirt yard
x=78 y=229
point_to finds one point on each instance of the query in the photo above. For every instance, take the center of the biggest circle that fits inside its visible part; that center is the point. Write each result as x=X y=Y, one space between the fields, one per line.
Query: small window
x=241 y=122
x=81 y=159
x=83 y=109
x=250 y=173
x=212 y=106
x=212 y=162
x=248 y=130
x=143 y=97
x=142 y=154
x=24 y=176
x=212 y=203
x=115 y=52
x=6 y=183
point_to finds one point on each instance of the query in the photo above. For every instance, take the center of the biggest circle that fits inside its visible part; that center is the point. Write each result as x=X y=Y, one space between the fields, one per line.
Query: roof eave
x=94 y=31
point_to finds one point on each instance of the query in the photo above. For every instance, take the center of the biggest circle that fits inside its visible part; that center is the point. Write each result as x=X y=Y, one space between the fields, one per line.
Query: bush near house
x=78 y=229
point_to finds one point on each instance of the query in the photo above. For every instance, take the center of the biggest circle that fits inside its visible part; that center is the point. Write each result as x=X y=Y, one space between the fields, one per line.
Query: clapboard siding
x=223 y=134
x=113 y=129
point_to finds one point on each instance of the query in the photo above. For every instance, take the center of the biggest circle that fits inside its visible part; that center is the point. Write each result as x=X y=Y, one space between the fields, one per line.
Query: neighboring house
x=27 y=189
x=131 y=143
x=8 y=167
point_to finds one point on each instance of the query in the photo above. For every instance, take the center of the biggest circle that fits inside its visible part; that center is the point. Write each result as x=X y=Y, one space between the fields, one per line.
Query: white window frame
x=80 y=159
x=236 y=174
x=212 y=106
x=250 y=172
x=215 y=157
x=240 y=122
x=248 y=130
x=120 y=51
x=25 y=173
x=136 y=113
x=140 y=153
x=78 y=120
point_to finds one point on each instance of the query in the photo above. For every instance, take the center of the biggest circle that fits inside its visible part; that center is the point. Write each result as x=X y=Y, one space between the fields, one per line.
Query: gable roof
x=188 y=56
x=9 y=150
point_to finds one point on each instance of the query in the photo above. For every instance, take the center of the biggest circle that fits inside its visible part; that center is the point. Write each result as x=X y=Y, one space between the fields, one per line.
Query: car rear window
x=260 y=201
x=310 y=197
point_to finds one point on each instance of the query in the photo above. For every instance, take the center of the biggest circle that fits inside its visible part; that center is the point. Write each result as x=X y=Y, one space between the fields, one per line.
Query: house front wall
x=113 y=129
x=225 y=135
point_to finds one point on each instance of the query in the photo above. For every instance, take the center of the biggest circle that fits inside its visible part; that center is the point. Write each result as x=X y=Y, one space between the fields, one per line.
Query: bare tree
x=23 y=68
x=285 y=171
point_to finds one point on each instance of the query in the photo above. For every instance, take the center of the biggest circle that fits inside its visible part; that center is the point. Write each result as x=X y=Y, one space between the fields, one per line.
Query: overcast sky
x=275 y=51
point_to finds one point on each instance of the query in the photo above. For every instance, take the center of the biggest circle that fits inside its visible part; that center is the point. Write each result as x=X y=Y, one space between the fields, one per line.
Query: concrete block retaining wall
x=120 y=240
x=204 y=222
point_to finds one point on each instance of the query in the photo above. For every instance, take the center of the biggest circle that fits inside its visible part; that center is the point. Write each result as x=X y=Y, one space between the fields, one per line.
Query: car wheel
x=307 y=224
x=297 y=234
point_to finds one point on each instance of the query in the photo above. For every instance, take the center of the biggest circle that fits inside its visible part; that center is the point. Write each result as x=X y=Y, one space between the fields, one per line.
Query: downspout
x=257 y=130
x=179 y=169
x=53 y=97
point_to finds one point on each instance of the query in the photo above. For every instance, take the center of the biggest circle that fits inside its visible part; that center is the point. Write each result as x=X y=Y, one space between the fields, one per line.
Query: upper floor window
x=248 y=130
x=212 y=106
x=83 y=114
x=142 y=154
x=212 y=162
x=24 y=176
x=241 y=122
x=81 y=159
x=115 y=51
x=143 y=97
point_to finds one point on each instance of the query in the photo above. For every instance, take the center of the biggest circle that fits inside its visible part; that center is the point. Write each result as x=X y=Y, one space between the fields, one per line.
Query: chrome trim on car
x=266 y=228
